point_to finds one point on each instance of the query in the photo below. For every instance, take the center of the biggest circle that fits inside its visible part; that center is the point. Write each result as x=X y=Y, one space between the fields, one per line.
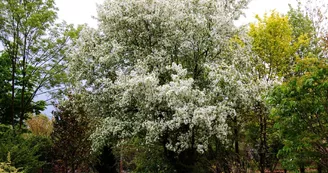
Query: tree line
x=163 y=86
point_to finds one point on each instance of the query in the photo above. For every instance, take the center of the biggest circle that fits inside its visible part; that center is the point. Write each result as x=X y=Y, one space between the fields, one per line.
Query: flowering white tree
x=164 y=70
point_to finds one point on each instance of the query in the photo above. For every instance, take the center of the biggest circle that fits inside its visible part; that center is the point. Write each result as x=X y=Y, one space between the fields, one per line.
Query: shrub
x=27 y=151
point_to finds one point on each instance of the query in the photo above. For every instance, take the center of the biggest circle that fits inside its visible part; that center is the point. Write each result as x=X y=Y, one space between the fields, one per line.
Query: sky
x=78 y=11
x=261 y=6
x=81 y=12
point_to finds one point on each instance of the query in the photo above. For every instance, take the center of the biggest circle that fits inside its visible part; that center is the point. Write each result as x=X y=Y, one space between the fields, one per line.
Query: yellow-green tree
x=275 y=45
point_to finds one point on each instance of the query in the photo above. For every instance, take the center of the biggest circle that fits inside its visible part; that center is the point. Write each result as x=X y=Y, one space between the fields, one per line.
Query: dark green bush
x=28 y=152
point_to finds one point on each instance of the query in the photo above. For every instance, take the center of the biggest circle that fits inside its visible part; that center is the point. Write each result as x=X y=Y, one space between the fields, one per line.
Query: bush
x=28 y=152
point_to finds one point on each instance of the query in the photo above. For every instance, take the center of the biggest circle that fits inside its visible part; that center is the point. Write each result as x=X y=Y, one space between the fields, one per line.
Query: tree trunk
x=13 y=66
x=121 y=162
x=236 y=136
x=236 y=145
x=66 y=167
x=263 y=126
x=302 y=169
x=319 y=168
x=13 y=55
x=23 y=87
x=262 y=166
x=73 y=168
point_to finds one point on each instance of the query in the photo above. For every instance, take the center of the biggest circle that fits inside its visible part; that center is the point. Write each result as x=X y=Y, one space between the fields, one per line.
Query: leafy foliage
x=275 y=42
x=301 y=109
x=25 y=150
x=34 y=51
x=5 y=106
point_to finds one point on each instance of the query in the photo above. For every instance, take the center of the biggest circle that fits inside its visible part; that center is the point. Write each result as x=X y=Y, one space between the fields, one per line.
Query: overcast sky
x=81 y=12
x=262 y=6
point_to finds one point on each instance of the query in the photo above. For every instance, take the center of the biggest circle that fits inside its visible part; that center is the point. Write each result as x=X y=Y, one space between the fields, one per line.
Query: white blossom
x=163 y=69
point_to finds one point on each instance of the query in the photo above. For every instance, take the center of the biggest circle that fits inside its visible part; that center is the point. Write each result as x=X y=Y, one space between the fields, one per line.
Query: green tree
x=5 y=94
x=300 y=107
x=304 y=28
x=35 y=47
x=5 y=89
